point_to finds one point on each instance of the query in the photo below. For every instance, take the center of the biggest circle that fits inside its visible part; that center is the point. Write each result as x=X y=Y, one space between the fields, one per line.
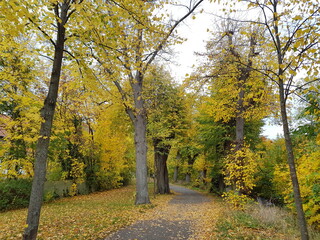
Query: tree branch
x=164 y=40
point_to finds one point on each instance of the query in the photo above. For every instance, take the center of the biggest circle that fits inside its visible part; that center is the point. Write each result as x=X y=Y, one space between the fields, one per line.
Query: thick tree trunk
x=161 y=154
x=47 y=113
x=140 y=129
x=292 y=167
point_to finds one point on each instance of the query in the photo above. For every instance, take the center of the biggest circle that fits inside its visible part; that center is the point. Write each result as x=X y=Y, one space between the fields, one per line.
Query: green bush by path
x=14 y=193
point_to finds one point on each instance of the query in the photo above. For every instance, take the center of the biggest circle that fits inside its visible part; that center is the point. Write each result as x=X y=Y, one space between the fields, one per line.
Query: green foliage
x=14 y=193
x=166 y=109
x=50 y=196
x=272 y=153
x=273 y=179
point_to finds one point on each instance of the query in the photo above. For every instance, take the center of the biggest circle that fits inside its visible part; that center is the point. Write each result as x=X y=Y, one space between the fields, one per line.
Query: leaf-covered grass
x=256 y=222
x=259 y=222
x=82 y=217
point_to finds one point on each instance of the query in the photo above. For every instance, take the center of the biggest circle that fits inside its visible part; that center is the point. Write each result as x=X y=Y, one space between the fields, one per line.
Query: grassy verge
x=259 y=222
x=82 y=217
x=256 y=222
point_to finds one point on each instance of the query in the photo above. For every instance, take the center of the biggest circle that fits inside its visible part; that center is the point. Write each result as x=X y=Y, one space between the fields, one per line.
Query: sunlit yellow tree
x=166 y=120
x=19 y=106
x=125 y=37
x=47 y=20
x=237 y=95
x=293 y=33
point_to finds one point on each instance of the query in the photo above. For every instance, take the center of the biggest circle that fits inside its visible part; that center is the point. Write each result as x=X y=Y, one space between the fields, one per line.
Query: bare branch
x=43 y=32
x=129 y=110
x=164 y=40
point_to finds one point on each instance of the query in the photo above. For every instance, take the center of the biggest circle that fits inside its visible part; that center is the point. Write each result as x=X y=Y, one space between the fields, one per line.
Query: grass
x=259 y=222
x=82 y=217
x=256 y=222
x=94 y=216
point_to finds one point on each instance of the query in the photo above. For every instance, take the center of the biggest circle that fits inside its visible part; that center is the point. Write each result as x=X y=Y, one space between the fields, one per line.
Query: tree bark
x=47 y=113
x=161 y=154
x=203 y=175
x=176 y=168
x=286 y=131
x=140 y=130
x=240 y=118
x=292 y=167
x=175 y=173
x=188 y=177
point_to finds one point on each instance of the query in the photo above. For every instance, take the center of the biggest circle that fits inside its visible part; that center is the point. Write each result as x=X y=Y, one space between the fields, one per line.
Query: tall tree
x=136 y=38
x=18 y=102
x=294 y=34
x=166 y=120
x=236 y=94
x=56 y=14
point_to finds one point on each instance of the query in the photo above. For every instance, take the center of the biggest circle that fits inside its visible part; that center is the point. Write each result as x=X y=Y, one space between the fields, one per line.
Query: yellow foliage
x=73 y=189
x=308 y=168
x=240 y=167
x=238 y=201
x=201 y=163
x=115 y=143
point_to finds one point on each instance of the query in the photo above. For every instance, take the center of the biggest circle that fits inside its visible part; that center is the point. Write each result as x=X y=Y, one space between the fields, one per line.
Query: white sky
x=196 y=33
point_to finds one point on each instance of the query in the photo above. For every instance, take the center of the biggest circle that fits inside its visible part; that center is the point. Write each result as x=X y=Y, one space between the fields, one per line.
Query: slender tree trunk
x=285 y=125
x=203 y=175
x=188 y=177
x=175 y=173
x=240 y=132
x=292 y=167
x=240 y=119
x=176 y=168
x=47 y=113
x=140 y=129
x=161 y=154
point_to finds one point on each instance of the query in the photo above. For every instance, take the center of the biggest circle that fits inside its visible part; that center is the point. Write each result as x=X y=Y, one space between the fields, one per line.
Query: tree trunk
x=240 y=133
x=188 y=177
x=240 y=119
x=292 y=167
x=221 y=184
x=176 y=168
x=285 y=125
x=161 y=154
x=175 y=173
x=203 y=175
x=47 y=113
x=140 y=129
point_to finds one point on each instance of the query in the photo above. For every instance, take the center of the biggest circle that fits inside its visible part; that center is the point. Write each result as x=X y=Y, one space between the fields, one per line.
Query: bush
x=14 y=193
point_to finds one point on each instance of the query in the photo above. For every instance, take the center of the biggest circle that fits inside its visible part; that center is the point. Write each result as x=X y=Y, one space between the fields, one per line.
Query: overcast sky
x=195 y=30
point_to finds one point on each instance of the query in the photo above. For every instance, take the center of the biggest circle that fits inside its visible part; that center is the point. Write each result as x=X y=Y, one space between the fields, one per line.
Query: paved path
x=175 y=221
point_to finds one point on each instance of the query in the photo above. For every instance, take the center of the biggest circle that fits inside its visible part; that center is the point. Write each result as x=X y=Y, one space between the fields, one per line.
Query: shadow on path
x=171 y=222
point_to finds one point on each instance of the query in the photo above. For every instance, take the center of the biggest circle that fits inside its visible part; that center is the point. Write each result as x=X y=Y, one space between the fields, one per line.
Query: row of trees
x=105 y=95
x=112 y=44
x=255 y=66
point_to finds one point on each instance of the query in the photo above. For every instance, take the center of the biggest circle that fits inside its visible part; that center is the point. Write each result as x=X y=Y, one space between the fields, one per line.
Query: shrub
x=14 y=193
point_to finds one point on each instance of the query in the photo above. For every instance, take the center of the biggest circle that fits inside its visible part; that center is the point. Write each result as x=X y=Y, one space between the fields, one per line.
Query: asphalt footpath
x=173 y=222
